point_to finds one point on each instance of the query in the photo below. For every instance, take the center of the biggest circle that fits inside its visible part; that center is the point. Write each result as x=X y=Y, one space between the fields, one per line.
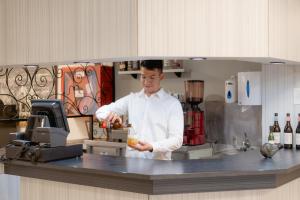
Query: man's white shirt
x=157 y=119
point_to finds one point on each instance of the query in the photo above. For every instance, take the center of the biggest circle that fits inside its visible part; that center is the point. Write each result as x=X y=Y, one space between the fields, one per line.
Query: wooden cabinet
x=209 y=28
x=2 y=32
x=63 y=25
x=38 y=31
x=284 y=31
x=93 y=29
x=16 y=32
x=220 y=28
x=27 y=32
x=42 y=31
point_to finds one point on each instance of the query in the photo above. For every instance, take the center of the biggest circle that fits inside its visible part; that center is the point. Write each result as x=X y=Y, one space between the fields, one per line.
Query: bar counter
x=244 y=171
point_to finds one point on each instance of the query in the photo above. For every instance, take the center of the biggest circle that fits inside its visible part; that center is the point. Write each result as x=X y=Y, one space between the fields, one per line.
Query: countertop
x=246 y=170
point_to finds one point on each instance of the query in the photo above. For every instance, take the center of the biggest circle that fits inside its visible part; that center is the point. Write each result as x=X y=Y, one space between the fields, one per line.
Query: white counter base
x=9 y=187
x=37 y=189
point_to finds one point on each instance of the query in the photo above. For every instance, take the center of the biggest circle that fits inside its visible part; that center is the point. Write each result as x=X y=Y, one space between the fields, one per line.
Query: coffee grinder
x=194 y=132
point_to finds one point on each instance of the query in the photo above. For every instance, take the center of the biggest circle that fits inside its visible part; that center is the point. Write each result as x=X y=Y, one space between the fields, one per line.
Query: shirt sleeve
x=175 y=131
x=119 y=107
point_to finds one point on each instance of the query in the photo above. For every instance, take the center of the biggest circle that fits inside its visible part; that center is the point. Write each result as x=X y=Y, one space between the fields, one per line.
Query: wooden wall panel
x=36 y=189
x=278 y=28
x=115 y=28
x=277 y=96
x=63 y=22
x=42 y=31
x=284 y=40
x=2 y=32
x=17 y=31
x=293 y=30
x=38 y=31
x=289 y=191
x=210 y=28
x=94 y=29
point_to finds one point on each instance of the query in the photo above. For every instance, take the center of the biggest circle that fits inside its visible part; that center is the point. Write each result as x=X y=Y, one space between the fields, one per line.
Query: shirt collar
x=160 y=93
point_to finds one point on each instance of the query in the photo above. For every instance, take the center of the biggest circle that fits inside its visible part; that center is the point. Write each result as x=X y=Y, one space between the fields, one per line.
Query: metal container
x=194 y=91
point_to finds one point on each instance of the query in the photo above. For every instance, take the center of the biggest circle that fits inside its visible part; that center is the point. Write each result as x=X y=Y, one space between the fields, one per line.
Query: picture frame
x=80 y=89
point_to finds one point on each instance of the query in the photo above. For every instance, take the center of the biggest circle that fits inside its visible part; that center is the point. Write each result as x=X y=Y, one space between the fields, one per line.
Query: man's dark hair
x=152 y=64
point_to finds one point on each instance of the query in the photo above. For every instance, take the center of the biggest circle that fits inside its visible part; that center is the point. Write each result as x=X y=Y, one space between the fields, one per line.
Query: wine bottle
x=298 y=134
x=288 y=133
x=276 y=130
x=271 y=136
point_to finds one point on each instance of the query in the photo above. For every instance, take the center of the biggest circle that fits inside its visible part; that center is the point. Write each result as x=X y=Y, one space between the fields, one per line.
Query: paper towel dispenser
x=249 y=88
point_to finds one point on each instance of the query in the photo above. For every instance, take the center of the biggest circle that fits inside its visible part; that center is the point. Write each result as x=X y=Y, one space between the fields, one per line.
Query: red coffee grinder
x=194 y=132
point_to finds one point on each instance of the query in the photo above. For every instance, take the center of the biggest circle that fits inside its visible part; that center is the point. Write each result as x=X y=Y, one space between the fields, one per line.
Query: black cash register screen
x=53 y=109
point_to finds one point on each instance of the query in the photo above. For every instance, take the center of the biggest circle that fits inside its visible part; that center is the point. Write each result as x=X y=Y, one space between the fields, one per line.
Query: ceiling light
x=198 y=58
x=81 y=62
x=31 y=66
x=277 y=62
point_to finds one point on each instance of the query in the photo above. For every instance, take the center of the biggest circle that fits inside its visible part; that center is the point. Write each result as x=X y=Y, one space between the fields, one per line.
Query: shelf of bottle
x=179 y=70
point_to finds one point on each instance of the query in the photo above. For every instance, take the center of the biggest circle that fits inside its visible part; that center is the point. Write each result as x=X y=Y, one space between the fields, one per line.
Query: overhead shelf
x=135 y=73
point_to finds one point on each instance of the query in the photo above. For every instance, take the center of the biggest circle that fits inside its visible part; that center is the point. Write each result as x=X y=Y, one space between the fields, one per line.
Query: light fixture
x=277 y=62
x=81 y=62
x=31 y=66
x=198 y=58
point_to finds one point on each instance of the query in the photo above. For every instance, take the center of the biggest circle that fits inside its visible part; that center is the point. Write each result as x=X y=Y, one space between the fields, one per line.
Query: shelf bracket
x=134 y=76
x=178 y=74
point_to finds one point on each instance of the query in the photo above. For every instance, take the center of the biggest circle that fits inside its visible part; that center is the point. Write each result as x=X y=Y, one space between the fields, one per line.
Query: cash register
x=45 y=137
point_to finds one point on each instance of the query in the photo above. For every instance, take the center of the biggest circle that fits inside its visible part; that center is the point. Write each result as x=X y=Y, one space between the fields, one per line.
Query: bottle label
x=297 y=139
x=288 y=138
x=271 y=141
x=276 y=137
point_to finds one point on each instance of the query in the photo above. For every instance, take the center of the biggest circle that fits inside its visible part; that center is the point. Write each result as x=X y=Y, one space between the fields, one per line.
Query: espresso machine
x=194 y=130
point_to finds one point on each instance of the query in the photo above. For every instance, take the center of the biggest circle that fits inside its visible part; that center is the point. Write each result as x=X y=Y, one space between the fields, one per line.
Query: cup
x=132 y=139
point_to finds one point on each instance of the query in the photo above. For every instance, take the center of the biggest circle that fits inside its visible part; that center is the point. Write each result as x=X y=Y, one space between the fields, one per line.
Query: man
x=156 y=116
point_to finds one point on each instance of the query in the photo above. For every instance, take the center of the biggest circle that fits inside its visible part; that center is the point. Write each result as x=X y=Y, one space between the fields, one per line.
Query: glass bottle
x=271 y=138
x=123 y=66
x=288 y=133
x=276 y=130
x=107 y=124
x=129 y=65
x=298 y=134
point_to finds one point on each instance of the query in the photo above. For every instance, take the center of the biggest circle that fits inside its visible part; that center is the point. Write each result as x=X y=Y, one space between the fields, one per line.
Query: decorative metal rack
x=19 y=85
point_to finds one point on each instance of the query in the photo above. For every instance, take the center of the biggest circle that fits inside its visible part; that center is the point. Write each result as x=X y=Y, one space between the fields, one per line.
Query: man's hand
x=112 y=117
x=143 y=146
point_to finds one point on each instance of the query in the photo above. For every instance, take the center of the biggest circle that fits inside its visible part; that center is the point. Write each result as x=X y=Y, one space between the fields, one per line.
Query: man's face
x=150 y=80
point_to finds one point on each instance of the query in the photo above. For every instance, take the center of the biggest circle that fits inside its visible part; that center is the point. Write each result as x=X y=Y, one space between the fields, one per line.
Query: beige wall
x=214 y=73
x=279 y=82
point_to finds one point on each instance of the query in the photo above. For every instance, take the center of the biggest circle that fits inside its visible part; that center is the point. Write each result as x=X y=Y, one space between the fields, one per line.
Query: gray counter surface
x=246 y=170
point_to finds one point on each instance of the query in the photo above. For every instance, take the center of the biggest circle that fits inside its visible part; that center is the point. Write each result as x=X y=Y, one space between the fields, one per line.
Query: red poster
x=86 y=87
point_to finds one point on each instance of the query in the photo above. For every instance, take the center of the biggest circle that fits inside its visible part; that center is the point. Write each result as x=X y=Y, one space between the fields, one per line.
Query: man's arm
x=112 y=111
